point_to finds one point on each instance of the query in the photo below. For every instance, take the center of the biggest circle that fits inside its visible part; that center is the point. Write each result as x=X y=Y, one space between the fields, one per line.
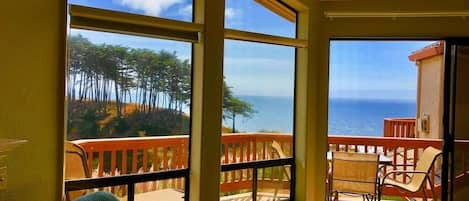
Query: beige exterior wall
x=430 y=96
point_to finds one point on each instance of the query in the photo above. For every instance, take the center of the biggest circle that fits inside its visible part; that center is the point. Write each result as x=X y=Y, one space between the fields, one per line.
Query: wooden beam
x=279 y=9
x=119 y=22
x=264 y=38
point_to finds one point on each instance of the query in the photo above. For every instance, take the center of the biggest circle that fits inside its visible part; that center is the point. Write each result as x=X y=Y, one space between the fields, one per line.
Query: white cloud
x=231 y=13
x=149 y=7
x=185 y=10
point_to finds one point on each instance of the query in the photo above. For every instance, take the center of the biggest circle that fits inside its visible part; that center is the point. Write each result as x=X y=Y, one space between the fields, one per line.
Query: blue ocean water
x=346 y=116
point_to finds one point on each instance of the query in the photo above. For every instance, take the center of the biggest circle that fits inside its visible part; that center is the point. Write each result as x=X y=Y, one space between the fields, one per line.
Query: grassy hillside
x=88 y=119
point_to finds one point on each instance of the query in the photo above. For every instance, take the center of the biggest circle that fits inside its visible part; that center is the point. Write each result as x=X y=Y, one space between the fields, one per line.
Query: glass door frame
x=447 y=188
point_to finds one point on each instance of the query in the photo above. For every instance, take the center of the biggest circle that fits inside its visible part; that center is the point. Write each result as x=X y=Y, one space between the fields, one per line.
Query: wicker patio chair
x=354 y=173
x=418 y=176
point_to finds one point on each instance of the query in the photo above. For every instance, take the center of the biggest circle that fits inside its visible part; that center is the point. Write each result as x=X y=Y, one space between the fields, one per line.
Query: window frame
x=208 y=25
x=293 y=11
x=103 y=20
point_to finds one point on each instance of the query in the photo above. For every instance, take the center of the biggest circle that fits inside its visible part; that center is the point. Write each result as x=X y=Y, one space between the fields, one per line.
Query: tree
x=233 y=107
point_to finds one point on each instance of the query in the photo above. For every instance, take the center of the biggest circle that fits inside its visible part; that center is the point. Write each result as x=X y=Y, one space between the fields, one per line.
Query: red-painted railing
x=119 y=156
x=243 y=147
x=143 y=154
x=399 y=127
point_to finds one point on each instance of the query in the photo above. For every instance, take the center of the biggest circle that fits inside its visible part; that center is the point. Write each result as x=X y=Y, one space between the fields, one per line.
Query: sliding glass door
x=456 y=121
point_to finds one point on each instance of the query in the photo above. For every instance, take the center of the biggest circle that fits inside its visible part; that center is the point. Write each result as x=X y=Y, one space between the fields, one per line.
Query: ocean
x=346 y=116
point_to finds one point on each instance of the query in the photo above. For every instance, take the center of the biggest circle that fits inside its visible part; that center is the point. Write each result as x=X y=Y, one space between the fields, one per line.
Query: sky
x=358 y=69
x=373 y=69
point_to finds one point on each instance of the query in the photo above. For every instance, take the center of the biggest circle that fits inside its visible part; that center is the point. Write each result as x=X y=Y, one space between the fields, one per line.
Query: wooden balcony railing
x=110 y=157
x=120 y=156
x=243 y=147
x=399 y=127
x=146 y=154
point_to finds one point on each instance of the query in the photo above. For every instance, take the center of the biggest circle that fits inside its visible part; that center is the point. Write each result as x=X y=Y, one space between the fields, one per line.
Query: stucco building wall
x=430 y=96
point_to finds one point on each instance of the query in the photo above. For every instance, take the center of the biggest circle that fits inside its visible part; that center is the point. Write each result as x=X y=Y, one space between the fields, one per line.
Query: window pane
x=169 y=189
x=248 y=15
x=171 y=9
x=257 y=106
x=128 y=104
x=273 y=183
x=371 y=81
x=383 y=97
x=261 y=77
x=105 y=193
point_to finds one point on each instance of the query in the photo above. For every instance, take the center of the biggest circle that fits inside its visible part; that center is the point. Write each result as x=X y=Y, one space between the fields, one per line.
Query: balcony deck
x=109 y=157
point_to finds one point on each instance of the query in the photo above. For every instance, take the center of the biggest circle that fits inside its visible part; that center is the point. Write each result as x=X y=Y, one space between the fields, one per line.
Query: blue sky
x=364 y=69
x=373 y=69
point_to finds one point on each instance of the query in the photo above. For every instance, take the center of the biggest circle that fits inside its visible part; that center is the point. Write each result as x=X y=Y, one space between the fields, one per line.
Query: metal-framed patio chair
x=354 y=173
x=286 y=170
x=418 y=177
x=75 y=167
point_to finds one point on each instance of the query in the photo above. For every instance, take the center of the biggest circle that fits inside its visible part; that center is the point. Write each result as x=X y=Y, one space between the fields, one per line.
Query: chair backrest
x=354 y=172
x=75 y=166
x=425 y=163
x=278 y=149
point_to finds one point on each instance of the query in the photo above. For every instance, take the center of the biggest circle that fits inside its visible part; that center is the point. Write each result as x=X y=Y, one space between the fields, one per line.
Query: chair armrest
x=381 y=168
x=401 y=172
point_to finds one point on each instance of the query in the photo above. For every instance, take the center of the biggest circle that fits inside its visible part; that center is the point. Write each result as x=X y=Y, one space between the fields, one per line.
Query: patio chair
x=281 y=154
x=75 y=167
x=418 y=176
x=354 y=173
x=286 y=170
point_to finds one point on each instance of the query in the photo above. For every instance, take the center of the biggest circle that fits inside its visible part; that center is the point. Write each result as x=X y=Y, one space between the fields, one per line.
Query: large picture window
x=137 y=91
x=258 y=102
x=128 y=103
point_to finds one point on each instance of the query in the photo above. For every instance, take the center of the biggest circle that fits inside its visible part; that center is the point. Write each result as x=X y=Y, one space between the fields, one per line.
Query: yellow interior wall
x=31 y=103
x=430 y=93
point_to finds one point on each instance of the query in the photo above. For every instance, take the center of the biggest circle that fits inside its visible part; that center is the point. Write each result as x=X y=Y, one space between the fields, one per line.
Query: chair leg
x=424 y=193
x=432 y=188
x=380 y=192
